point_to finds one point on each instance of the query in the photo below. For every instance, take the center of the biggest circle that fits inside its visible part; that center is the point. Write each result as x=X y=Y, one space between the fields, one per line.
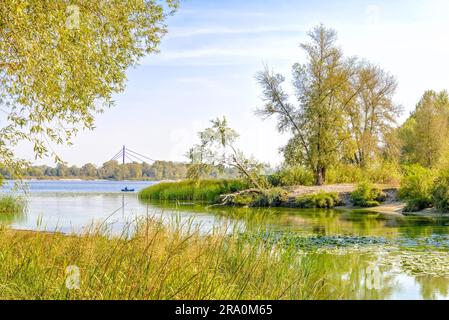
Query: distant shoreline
x=80 y=179
x=29 y=179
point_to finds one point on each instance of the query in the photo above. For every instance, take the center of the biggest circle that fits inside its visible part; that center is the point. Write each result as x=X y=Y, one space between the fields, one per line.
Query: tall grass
x=11 y=205
x=156 y=262
x=201 y=190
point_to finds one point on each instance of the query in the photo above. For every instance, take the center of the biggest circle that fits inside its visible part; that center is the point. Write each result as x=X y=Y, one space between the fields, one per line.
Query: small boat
x=126 y=189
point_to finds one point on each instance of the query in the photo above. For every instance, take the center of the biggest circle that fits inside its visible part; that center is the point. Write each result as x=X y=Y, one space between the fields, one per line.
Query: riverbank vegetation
x=175 y=261
x=321 y=200
x=344 y=126
x=343 y=129
x=367 y=195
x=195 y=190
x=156 y=262
x=11 y=205
x=423 y=188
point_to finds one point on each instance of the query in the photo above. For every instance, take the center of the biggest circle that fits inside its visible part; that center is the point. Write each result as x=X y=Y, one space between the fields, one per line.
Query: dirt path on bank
x=390 y=206
x=296 y=191
x=339 y=188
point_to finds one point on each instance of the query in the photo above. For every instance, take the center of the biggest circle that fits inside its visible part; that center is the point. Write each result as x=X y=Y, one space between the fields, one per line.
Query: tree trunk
x=320 y=176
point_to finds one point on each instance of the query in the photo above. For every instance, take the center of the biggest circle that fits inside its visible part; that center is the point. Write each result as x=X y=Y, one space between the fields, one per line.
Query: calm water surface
x=363 y=255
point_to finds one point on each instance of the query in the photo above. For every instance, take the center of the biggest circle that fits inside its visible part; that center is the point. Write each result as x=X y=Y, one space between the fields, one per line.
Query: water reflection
x=356 y=276
x=323 y=222
x=360 y=255
x=433 y=287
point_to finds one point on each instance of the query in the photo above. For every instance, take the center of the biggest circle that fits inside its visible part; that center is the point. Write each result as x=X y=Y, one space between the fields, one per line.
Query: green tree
x=135 y=170
x=217 y=149
x=88 y=170
x=425 y=135
x=344 y=110
x=317 y=122
x=371 y=113
x=111 y=170
x=74 y=171
x=35 y=171
x=62 y=61
x=62 y=170
x=158 y=170
x=147 y=170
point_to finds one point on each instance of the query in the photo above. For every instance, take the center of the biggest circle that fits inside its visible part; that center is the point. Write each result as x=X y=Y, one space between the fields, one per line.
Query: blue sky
x=209 y=58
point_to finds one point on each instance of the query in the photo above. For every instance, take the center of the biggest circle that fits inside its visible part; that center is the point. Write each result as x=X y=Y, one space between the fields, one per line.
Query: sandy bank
x=339 y=188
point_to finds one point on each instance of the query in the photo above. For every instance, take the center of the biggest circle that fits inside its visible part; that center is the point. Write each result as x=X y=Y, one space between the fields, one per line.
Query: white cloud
x=227 y=13
x=228 y=53
x=217 y=30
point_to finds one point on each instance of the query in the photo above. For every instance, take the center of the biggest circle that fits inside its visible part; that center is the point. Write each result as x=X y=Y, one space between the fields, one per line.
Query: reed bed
x=154 y=261
x=11 y=205
x=202 y=190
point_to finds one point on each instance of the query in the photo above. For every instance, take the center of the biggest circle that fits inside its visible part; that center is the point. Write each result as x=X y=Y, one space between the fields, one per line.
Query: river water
x=363 y=255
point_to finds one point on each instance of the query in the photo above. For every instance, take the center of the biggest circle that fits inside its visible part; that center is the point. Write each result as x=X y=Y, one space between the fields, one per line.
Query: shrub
x=321 y=200
x=274 y=179
x=416 y=187
x=384 y=172
x=243 y=200
x=273 y=197
x=379 y=172
x=367 y=195
x=292 y=176
x=440 y=193
x=195 y=190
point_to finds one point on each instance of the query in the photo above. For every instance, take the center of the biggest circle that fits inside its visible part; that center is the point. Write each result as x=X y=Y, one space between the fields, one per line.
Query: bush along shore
x=425 y=190
x=238 y=193
x=421 y=191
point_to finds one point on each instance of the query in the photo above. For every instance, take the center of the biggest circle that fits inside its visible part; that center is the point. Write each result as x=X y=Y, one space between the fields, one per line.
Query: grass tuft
x=202 y=190
x=11 y=205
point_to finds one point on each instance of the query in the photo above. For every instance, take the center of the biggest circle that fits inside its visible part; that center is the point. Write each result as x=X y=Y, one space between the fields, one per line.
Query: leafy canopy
x=62 y=61
x=341 y=109
x=217 y=148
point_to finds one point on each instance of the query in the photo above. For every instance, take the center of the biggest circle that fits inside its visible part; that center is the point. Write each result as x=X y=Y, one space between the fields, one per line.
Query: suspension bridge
x=130 y=155
x=126 y=154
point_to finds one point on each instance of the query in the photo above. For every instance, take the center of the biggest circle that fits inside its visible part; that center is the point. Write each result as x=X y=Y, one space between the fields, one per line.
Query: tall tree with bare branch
x=317 y=119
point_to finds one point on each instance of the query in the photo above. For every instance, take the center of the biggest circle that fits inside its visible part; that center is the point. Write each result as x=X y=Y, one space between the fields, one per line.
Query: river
x=363 y=255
